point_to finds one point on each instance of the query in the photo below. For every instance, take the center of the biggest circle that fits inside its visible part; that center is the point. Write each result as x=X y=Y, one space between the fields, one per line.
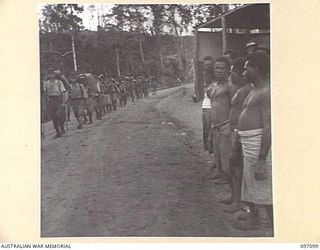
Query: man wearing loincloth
x=236 y=158
x=221 y=94
x=255 y=135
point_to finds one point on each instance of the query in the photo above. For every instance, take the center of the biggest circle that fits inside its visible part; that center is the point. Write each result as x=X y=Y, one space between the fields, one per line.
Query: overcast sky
x=90 y=15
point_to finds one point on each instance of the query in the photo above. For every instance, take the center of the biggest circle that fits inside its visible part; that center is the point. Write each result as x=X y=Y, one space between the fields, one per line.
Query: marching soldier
x=154 y=85
x=89 y=106
x=136 y=87
x=122 y=94
x=145 y=86
x=114 y=92
x=130 y=88
x=78 y=97
x=97 y=100
x=107 y=92
x=55 y=94
x=103 y=99
x=61 y=77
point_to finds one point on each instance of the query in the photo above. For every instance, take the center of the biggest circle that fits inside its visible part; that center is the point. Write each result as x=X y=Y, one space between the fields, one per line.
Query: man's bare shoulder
x=264 y=95
x=241 y=93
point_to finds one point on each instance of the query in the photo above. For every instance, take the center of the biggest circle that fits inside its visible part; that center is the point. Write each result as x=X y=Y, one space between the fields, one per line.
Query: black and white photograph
x=155 y=120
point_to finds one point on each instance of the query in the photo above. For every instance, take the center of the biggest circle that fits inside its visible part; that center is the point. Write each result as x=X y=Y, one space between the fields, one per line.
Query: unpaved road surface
x=138 y=172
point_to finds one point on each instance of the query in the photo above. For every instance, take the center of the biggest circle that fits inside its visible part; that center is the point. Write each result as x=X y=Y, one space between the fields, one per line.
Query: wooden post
x=196 y=66
x=224 y=29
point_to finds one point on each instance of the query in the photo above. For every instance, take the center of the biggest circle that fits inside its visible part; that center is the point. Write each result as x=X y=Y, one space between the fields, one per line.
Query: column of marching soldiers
x=88 y=95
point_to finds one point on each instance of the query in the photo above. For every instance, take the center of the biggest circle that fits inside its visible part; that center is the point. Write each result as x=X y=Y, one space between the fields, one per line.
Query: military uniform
x=154 y=85
x=114 y=95
x=130 y=89
x=97 y=100
x=145 y=87
x=78 y=97
x=107 y=92
x=55 y=103
x=122 y=94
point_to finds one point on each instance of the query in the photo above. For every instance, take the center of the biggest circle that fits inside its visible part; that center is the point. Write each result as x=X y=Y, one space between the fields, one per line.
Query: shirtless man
x=255 y=133
x=236 y=159
x=209 y=79
x=221 y=94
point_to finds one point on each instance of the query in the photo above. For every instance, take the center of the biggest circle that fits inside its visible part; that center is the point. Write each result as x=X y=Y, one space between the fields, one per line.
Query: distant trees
x=62 y=18
x=130 y=38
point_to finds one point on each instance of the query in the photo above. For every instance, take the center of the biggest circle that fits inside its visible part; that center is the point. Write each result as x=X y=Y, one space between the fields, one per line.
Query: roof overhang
x=248 y=16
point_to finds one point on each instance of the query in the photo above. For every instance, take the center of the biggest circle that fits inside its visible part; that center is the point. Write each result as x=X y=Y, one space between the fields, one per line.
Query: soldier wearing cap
x=61 y=77
x=122 y=94
x=145 y=86
x=130 y=87
x=55 y=94
x=136 y=83
x=103 y=99
x=97 y=95
x=78 y=96
x=108 y=93
x=89 y=107
x=114 y=93
x=154 y=85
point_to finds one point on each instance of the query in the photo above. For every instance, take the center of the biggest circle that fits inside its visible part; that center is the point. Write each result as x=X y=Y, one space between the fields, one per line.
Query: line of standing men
x=237 y=129
x=87 y=94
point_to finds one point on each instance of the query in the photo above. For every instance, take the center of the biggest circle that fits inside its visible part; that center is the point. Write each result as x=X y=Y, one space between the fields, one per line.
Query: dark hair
x=50 y=71
x=238 y=64
x=223 y=59
x=232 y=53
x=250 y=44
x=266 y=50
x=261 y=61
x=208 y=58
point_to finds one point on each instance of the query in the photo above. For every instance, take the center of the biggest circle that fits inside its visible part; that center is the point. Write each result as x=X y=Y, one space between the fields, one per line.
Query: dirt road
x=138 y=172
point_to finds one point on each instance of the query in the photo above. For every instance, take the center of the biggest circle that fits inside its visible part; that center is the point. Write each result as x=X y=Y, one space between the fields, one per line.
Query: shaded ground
x=140 y=171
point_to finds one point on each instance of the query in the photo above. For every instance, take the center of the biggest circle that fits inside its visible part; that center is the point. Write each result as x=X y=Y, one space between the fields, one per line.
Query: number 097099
x=309 y=245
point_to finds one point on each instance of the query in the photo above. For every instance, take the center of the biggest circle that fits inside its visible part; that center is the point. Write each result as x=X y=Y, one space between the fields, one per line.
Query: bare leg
x=269 y=209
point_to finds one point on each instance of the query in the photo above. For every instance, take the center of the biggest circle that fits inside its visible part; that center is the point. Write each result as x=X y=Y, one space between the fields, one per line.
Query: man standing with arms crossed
x=221 y=94
x=255 y=134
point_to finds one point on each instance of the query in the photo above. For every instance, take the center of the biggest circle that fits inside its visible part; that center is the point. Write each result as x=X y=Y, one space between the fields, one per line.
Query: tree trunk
x=74 y=53
x=161 y=60
x=141 y=52
x=178 y=40
x=224 y=30
x=118 y=63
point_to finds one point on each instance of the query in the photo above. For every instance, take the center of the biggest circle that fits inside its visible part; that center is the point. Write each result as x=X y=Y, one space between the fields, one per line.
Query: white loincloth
x=255 y=191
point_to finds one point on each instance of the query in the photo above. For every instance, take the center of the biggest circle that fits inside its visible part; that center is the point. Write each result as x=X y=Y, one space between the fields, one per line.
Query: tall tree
x=62 y=18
